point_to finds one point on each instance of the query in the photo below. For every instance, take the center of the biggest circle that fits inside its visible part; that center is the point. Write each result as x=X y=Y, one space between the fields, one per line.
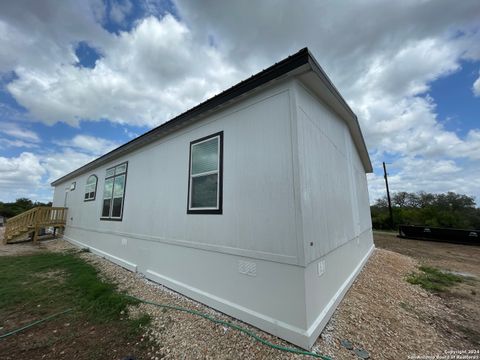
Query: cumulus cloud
x=145 y=77
x=476 y=87
x=37 y=35
x=119 y=10
x=383 y=64
x=20 y=175
x=414 y=174
x=382 y=56
x=29 y=174
x=62 y=162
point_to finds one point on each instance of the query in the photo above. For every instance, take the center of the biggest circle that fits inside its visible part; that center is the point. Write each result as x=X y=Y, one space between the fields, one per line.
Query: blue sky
x=78 y=79
x=457 y=107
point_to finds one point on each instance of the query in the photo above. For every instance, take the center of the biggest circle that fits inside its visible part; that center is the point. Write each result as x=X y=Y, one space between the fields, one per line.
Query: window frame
x=218 y=210
x=110 y=217
x=95 y=191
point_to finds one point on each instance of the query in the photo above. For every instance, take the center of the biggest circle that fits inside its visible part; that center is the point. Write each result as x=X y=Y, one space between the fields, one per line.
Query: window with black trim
x=91 y=188
x=205 y=183
x=114 y=192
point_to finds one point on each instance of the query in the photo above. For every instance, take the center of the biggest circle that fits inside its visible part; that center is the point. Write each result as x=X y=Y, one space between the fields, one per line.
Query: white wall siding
x=334 y=205
x=330 y=180
x=258 y=208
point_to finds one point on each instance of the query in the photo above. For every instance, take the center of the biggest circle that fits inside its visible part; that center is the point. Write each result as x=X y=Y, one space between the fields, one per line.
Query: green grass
x=48 y=282
x=433 y=279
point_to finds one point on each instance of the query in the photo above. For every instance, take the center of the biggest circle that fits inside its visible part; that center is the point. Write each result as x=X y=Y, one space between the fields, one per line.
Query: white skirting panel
x=122 y=262
x=289 y=301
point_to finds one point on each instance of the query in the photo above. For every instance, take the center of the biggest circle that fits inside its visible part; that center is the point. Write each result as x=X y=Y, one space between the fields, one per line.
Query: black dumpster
x=456 y=236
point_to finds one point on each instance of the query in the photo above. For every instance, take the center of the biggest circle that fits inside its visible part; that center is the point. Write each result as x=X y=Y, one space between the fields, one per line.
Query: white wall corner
x=297 y=191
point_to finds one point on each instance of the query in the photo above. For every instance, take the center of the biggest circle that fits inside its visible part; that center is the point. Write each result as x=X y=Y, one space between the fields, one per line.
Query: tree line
x=11 y=209
x=450 y=210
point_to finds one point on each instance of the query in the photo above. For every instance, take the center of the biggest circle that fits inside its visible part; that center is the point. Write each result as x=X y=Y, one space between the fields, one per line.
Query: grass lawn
x=35 y=286
x=433 y=279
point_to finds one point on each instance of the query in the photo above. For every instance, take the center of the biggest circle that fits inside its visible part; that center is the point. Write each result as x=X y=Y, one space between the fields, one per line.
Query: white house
x=254 y=202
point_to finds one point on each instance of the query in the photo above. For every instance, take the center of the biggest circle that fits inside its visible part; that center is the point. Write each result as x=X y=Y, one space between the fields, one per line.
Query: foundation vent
x=321 y=268
x=247 y=267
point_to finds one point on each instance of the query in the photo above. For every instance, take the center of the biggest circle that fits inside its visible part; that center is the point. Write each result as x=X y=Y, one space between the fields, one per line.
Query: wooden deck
x=33 y=220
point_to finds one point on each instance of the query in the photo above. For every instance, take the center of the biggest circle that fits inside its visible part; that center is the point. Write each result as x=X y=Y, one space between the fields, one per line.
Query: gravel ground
x=381 y=313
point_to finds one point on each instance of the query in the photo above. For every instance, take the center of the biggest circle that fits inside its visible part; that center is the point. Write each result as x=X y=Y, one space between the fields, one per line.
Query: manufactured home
x=254 y=202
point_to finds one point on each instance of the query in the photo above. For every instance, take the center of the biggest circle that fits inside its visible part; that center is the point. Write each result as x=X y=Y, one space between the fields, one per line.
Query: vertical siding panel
x=333 y=186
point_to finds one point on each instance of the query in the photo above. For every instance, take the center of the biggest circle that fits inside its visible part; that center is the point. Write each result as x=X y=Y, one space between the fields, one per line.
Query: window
x=205 y=175
x=91 y=188
x=114 y=192
x=73 y=185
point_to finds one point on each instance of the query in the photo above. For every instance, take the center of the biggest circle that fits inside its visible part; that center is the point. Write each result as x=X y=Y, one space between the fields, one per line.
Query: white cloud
x=381 y=55
x=145 y=77
x=420 y=174
x=119 y=10
x=20 y=175
x=89 y=144
x=16 y=143
x=37 y=35
x=476 y=87
x=60 y=163
x=14 y=130
x=29 y=175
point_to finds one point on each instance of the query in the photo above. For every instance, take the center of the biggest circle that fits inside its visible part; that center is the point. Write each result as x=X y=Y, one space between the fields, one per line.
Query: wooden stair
x=33 y=220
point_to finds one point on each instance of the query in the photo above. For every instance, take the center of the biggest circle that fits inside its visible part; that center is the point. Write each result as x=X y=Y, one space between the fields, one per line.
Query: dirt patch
x=389 y=317
x=456 y=257
x=57 y=275
x=28 y=247
x=71 y=338
x=462 y=299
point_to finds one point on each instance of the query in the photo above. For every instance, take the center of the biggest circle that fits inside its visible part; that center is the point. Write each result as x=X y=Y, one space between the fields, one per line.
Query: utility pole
x=388 y=195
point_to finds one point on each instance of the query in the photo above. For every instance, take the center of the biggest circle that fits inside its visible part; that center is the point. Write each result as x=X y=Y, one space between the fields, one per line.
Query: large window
x=91 y=188
x=205 y=175
x=114 y=192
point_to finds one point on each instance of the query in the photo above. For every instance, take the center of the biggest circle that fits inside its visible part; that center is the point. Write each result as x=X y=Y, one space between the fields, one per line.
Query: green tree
x=437 y=210
x=20 y=205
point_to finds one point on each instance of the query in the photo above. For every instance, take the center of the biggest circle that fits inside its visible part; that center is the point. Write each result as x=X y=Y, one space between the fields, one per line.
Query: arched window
x=91 y=188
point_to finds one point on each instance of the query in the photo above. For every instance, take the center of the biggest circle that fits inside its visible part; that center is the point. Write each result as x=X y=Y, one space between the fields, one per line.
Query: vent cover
x=321 y=267
x=247 y=267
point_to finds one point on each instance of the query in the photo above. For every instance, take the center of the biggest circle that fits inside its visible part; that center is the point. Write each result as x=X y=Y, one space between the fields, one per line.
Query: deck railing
x=33 y=220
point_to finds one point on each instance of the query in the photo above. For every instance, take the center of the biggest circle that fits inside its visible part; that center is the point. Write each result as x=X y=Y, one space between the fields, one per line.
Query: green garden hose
x=13 y=332
x=193 y=312
x=236 y=327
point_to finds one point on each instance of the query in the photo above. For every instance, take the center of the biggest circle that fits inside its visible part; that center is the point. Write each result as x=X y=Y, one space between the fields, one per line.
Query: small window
x=205 y=175
x=91 y=188
x=114 y=192
x=73 y=186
